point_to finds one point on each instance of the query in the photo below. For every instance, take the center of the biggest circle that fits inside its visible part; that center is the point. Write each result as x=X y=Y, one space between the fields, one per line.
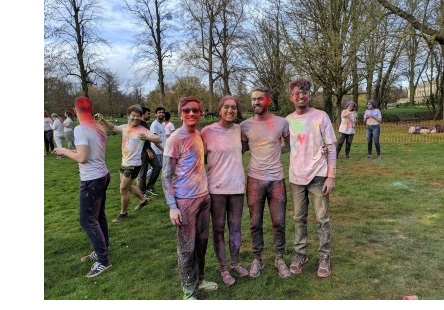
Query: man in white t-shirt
x=311 y=173
x=90 y=140
x=133 y=139
x=158 y=129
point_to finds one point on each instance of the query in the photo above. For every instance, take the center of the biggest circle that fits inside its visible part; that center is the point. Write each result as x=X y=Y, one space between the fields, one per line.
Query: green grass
x=386 y=218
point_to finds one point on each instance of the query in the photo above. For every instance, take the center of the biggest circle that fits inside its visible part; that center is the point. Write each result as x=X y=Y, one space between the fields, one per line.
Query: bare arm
x=245 y=146
x=331 y=169
x=80 y=155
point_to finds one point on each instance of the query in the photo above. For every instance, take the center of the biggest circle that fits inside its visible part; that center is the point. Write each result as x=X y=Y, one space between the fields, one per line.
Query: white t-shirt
x=158 y=129
x=309 y=132
x=223 y=148
x=94 y=136
x=169 y=128
x=48 y=123
x=132 y=146
x=58 y=128
x=265 y=140
x=67 y=125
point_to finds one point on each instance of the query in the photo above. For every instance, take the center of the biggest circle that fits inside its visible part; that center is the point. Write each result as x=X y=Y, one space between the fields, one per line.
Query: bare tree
x=71 y=32
x=153 y=46
x=110 y=84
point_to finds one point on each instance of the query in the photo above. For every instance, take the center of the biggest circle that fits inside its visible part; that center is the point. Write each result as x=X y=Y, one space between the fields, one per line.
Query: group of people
x=56 y=129
x=194 y=194
x=372 y=119
x=203 y=177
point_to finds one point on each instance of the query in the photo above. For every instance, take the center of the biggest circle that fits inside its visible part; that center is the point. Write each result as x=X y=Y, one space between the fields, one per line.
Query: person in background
x=67 y=129
x=158 y=129
x=148 y=157
x=311 y=174
x=49 y=133
x=226 y=178
x=169 y=126
x=347 y=128
x=262 y=135
x=57 y=126
x=372 y=118
x=90 y=139
x=184 y=182
x=133 y=139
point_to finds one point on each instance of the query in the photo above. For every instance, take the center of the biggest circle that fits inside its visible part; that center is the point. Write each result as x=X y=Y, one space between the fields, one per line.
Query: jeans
x=300 y=194
x=92 y=215
x=192 y=241
x=230 y=207
x=49 y=137
x=372 y=133
x=348 y=142
x=154 y=162
x=275 y=192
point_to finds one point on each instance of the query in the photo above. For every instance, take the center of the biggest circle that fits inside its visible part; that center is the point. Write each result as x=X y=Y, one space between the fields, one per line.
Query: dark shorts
x=130 y=172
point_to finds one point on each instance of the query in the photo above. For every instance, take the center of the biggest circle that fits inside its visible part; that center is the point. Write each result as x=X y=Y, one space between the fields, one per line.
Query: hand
x=142 y=136
x=329 y=184
x=58 y=151
x=150 y=154
x=175 y=217
x=98 y=117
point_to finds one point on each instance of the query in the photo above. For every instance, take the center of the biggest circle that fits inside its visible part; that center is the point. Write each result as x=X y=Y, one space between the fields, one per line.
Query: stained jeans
x=144 y=169
x=92 y=215
x=49 y=140
x=275 y=192
x=192 y=241
x=300 y=194
x=372 y=133
x=348 y=142
x=223 y=206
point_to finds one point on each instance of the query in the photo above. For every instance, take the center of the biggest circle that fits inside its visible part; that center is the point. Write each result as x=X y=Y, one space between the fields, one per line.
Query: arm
x=331 y=169
x=80 y=155
x=169 y=166
x=108 y=125
x=151 y=137
x=285 y=148
x=159 y=146
x=245 y=146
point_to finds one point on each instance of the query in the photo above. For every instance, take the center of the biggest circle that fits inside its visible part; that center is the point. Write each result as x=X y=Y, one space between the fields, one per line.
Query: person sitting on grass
x=90 y=141
x=133 y=139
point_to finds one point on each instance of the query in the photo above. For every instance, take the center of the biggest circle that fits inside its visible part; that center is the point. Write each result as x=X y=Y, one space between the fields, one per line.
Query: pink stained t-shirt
x=309 y=132
x=132 y=145
x=265 y=140
x=223 y=148
x=190 y=178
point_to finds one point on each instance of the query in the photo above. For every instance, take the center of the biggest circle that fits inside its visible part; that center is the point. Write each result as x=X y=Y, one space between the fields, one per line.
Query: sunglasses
x=187 y=111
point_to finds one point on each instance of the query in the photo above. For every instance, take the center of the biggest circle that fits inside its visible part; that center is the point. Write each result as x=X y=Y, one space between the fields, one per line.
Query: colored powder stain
x=301 y=138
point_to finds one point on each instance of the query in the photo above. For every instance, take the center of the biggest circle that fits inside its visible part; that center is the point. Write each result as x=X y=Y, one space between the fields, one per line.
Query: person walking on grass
x=347 y=128
x=67 y=129
x=184 y=182
x=158 y=129
x=133 y=138
x=49 y=133
x=311 y=173
x=262 y=135
x=57 y=128
x=372 y=118
x=90 y=139
x=148 y=157
x=226 y=178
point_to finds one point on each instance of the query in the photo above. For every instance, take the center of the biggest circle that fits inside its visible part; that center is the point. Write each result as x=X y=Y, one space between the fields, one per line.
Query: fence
x=399 y=132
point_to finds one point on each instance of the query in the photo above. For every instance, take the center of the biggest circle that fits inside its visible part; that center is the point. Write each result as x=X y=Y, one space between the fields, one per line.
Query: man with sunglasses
x=185 y=187
x=263 y=135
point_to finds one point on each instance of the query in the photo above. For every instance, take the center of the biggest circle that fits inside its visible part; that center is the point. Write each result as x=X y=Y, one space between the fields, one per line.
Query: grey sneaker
x=120 y=217
x=91 y=256
x=97 y=269
x=240 y=270
x=152 y=191
x=207 y=286
x=227 y=278
x=141 y=205
x=297 y=263
x=256 y=267
x=282 y=268
x=324 y=269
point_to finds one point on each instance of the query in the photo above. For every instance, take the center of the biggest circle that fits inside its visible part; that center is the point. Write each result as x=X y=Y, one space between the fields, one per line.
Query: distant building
x=422 y=92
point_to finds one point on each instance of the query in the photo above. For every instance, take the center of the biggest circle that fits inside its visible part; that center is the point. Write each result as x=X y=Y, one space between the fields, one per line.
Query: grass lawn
x=386 y=215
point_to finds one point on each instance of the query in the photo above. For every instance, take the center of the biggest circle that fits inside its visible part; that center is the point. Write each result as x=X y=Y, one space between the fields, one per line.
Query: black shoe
x=120 y=217
x=141 y=205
